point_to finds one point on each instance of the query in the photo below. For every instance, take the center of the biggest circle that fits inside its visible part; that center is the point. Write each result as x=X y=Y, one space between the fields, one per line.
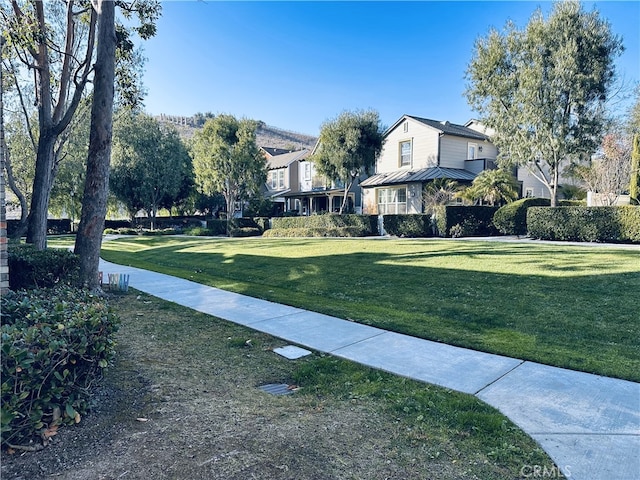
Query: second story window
x=281 y=178
x=405 y=153
x=307 y=171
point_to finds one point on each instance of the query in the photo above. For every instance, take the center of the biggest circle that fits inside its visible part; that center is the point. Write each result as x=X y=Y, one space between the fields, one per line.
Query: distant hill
x=266 y=135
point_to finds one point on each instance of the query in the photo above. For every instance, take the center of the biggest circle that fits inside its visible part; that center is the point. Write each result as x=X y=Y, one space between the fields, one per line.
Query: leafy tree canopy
x=348 y=147
x=226 y=159
x=543 y=89
x=150 y=164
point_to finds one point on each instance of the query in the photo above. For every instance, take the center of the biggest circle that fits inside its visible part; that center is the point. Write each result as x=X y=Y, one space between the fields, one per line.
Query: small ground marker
x=292 y=352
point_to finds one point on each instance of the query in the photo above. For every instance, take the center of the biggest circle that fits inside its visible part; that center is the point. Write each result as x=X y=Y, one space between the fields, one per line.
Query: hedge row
x=54 y=226
x=366 y=223
x=317 y=232
x=55 y=344
x=585 y=224
x=449 y=221
x=31 y=268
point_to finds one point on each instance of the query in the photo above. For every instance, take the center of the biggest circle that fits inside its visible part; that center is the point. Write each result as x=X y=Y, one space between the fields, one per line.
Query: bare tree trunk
x=11 y=181
x=37 y=230
x=94 y=202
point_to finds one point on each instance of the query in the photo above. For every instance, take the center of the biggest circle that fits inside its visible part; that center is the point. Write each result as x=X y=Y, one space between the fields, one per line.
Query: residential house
x=282 y=175
x=294 y=185
x=419 y=150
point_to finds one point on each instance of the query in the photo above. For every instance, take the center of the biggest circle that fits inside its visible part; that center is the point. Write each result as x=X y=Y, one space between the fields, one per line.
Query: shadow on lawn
x=586 y=321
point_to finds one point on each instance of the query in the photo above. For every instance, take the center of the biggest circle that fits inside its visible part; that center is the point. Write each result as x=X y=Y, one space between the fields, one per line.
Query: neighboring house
x=417 y=151
x=294 y=185
x=282 y=175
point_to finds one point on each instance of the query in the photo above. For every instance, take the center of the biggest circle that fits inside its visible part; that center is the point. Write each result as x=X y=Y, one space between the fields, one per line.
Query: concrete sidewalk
x=589 y=425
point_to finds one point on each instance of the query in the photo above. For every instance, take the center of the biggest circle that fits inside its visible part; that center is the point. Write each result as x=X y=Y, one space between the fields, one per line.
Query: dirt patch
x=181 y=402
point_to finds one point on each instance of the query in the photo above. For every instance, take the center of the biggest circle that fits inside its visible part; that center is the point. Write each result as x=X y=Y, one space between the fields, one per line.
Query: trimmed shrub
x=458 y=221
x=121 y=231
x=245 y=232
x=409 y=225
x=316 y=232
x=116 y=224
x=366 y=223
x=31 y=268
x=469 y=221
x=585 y=224
x=217 y=226
x=58 y=226
x=55 y=344
x=199 y=232
x=511 y=219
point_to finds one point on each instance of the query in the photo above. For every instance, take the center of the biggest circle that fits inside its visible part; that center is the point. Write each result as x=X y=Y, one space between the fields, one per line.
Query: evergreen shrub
x=55 y=345
x=368 y=224
x=31 y=268
x=511 y=219
x=585 y=224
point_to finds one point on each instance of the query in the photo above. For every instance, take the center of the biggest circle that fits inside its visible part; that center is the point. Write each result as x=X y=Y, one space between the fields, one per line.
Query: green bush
x=366 y=223
x=447 y=221
x=217 y=226
x=198 y=232
x=409 y=225
x=158 y=232
x=55 y=344
x=122 y=231
x=316 y=232
x=468 y=221
x=31 y=268
x=585 y=224
x=511 y=219
x=245 y=232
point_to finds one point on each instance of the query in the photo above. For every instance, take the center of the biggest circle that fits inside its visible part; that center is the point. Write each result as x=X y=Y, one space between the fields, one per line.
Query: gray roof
x=273 y=151
x=422 y=175
x=451 y=128
x=286 y=159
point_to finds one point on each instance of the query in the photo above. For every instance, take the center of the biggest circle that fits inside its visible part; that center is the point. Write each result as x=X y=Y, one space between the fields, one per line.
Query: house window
x=406 y=127
x=528 y=192
x=472 y=151
x=405 y=153
x=281 y=178
x=307 y=171
x=273 y=179
x=392 y=200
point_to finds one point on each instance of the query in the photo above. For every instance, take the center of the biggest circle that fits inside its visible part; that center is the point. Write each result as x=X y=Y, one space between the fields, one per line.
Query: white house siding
x=453 y=151
x=414 y=198
x=424 y=147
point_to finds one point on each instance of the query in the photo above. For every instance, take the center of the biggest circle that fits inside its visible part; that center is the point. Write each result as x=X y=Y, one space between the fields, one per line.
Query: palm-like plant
x=493 y=187
x=439 y=192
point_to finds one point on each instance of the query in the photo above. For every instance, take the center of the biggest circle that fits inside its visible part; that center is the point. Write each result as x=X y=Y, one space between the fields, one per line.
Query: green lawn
x=570 y=306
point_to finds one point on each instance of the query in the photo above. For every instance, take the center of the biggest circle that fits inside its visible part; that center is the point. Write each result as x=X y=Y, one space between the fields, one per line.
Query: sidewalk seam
x=522 y=362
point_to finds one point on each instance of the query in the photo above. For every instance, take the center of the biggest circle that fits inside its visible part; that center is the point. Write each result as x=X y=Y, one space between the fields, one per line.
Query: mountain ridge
x=266 y=135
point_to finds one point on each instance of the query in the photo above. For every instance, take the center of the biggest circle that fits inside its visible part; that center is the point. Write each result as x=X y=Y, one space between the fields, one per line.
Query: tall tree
x=94 y=201
x=227 y=160
x=543 y=89
x=151 y=165
x=348 y=147
x=55 y=42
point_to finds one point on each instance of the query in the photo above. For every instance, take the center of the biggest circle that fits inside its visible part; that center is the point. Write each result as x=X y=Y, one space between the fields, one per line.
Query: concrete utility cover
x=277 y=389
x=292 y=352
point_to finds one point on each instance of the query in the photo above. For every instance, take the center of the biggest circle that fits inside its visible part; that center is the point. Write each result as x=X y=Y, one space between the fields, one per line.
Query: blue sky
x=295 y=65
